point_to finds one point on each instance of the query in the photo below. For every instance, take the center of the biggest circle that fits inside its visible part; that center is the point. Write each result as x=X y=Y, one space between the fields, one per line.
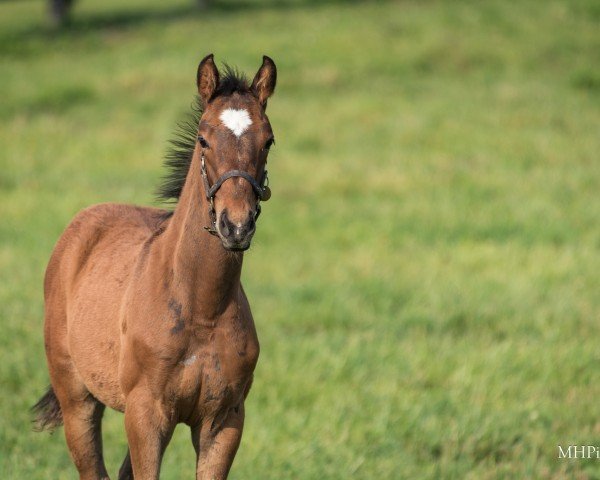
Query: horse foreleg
x=149 y=431
x=216 y=442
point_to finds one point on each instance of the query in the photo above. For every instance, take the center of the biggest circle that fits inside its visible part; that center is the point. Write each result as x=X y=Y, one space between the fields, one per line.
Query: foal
x=144 y=309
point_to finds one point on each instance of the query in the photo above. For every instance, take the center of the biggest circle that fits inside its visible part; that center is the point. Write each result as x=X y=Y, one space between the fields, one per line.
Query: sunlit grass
x=425 y=279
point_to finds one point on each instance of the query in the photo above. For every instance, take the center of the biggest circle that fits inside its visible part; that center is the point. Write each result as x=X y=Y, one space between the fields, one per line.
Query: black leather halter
x=261 y=189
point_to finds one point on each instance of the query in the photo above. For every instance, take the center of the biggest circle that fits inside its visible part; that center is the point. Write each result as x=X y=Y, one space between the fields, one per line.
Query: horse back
x=103 y=235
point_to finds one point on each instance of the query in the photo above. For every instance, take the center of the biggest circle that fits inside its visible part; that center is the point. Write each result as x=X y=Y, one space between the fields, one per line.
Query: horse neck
x=203 y=271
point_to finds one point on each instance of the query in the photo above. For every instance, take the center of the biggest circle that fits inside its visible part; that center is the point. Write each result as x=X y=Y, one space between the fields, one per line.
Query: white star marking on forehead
x=237 y=121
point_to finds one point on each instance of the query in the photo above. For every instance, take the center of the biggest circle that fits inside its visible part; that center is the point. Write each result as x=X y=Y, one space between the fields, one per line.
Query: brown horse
x=144 y=309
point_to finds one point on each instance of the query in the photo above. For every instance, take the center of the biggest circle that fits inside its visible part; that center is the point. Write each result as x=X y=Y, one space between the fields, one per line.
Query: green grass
x=425 y=280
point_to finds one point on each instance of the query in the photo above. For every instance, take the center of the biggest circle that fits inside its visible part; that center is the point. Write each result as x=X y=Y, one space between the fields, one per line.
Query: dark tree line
x=60 y=10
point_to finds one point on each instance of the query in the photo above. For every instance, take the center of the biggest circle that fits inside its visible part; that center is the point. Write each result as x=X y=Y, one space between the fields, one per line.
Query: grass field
x=426 y=278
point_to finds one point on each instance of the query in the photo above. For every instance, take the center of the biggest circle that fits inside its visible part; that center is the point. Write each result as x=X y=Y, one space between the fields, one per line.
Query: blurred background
x=425 y=280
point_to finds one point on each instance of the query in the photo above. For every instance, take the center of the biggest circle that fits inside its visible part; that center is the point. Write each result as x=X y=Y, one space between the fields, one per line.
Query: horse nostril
x=251 y=224
x=224 y=223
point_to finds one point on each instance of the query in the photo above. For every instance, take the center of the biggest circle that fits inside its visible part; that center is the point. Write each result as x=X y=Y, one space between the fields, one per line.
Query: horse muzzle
x=236 y=236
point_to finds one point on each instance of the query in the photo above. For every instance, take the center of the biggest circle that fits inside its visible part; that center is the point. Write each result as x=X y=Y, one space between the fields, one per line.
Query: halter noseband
x=262 y=190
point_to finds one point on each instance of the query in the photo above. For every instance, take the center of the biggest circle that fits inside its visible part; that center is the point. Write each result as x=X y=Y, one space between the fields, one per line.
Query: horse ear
x=207 y=79
x=264 y=81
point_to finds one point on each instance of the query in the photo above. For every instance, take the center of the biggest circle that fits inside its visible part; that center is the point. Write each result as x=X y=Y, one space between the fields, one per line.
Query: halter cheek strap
x=261 y=189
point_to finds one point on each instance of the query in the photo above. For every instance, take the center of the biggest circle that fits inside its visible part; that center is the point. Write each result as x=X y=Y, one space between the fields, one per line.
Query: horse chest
x=216 y=373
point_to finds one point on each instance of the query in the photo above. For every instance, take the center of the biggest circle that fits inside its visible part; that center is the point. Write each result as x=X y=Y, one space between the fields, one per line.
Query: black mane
x=181 y=147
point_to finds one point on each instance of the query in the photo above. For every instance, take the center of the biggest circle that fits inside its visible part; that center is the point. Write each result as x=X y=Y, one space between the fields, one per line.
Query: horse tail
x=47 y=412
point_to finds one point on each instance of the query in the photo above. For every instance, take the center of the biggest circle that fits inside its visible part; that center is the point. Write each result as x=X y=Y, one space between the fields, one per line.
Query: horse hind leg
x=126 y=470
x=81 y=411
x=48 y=416
x=82 y=419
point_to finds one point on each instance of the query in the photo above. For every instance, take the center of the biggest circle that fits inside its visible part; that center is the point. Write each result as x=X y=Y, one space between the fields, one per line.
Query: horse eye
x=202 y=141
x=269 y=144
